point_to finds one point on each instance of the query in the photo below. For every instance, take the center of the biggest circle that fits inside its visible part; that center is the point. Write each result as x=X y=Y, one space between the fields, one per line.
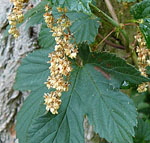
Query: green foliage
x=77 y=5
x=84 y=27
x=142 y=132
x=145 y=29
x=45 y=37
x=35 y=15
x=141 y=10
x=95 y=82
x=93 y=92
x=32 y=107
x=34 y=67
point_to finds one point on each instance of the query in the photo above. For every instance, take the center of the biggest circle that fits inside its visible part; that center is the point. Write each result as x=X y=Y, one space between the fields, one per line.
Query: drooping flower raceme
x=60 y=67
x=16 y=16
x=143 y=60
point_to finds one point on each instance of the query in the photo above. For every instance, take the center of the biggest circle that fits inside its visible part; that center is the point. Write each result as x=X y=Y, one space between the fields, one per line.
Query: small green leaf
x=142 y=131
x=84 y=27
x=141 y=10
x=73 y=5
x=145 y=29
x=45 y=37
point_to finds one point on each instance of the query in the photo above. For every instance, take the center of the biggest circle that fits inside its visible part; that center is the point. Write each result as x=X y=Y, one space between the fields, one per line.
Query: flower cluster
x=16 y=16
x=59 y=59
x=143 y=60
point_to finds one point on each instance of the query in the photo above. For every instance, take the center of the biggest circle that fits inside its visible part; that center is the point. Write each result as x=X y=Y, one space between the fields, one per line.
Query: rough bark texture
x=11 y=52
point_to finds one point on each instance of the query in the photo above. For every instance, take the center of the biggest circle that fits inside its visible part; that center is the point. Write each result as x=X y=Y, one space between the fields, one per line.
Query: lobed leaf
x=84 y=27
x=93 y=92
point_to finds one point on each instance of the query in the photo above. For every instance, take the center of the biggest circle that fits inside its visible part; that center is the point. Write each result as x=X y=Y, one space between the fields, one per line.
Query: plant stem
x=111 y=10
x=106 y=37
x=112 y=44
x=105 y=16
x=108 y=19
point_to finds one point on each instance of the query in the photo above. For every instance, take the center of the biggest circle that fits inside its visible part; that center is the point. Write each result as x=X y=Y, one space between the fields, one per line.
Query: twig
x=112 y=44
x=111 y=10
x=111 y=21
x=130 y=24
x=105 y=37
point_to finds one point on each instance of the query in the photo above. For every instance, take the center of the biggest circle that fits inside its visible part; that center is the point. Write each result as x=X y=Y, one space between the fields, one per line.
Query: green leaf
x=110 y=112
x=35 y=15
x=141 y=10
x=46 y=40
x=93 y=92
x=32 y=107
x=33 y=71
x=142 y=131
x=84 y=27
x=66 y=127
x=145 y=29
x=73 y=5
x=112 y=67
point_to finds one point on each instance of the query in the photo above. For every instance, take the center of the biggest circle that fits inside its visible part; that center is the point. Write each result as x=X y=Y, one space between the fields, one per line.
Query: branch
x=111 y=21
x=112 y=44
x=111 y=10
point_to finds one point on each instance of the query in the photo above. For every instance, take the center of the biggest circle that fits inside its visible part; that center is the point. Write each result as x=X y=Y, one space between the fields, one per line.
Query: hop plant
x=59 y=59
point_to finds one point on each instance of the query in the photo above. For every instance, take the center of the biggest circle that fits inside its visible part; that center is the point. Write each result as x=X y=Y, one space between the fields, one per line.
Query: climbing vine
x=94 y=62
